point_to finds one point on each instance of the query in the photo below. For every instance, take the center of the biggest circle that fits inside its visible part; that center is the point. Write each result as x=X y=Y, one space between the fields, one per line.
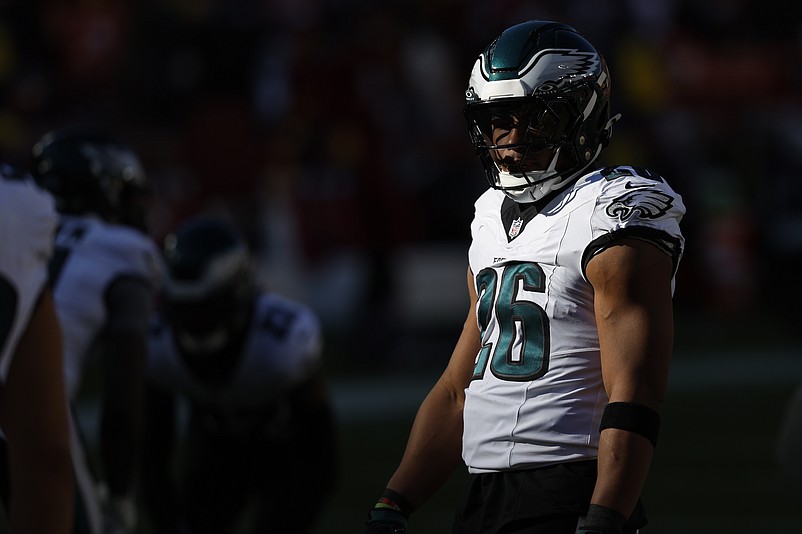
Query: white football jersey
x=90 y=254
x=27 y=222
x=282 y=348
x=537 y=396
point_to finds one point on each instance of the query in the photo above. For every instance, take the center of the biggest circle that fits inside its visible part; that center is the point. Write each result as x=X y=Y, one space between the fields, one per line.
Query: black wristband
x=393 y=500
x=604 y=520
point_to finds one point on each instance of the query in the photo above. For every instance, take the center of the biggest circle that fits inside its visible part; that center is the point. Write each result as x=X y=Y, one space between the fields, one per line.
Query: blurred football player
x=553 y=392
x=33 y=408
x=247 y=364
x=104 y=275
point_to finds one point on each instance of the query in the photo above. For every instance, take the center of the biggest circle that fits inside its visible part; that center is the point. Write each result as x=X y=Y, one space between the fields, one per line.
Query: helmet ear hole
x=584 y=143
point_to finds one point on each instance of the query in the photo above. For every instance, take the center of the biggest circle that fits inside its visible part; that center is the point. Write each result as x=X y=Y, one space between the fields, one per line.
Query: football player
x=247 y=363
x=33 y=407
x=553 y=392
x=104 y=275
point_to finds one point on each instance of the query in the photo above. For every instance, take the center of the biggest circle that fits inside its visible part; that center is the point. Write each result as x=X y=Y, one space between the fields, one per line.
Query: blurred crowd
x=332 y=130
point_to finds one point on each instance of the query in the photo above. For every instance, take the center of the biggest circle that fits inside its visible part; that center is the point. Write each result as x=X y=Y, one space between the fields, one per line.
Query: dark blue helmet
x=88 y=171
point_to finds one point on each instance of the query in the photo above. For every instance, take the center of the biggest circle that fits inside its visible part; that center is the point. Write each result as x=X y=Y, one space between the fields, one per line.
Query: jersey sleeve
x=132 y=260
x=26 y=243
x=635 y=203
x=138 y=256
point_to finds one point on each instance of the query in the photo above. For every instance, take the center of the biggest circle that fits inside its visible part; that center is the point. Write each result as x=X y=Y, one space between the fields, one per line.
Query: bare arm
x=632 y=286
x=434 y=447
x=124 y=351
x=33 y=414
x=122 y=412
x=160 y=442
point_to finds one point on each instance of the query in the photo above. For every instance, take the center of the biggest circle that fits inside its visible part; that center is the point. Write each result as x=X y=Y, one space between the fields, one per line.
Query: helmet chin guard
x=201 y=344
x=532 y=185
x=537 y=108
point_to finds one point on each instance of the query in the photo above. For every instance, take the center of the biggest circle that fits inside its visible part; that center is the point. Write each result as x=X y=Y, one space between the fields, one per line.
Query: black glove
x=385 y=521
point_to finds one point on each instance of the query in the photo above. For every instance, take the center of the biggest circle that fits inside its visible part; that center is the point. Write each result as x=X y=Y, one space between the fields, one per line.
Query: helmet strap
x=607 y=132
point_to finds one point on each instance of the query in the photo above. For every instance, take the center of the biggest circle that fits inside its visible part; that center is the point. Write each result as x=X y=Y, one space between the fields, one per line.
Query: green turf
x=715 y=469
x=713 y=472
x=369 y=454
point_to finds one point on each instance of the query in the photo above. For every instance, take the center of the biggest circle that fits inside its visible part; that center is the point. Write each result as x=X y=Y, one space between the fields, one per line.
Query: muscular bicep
x=632 y=302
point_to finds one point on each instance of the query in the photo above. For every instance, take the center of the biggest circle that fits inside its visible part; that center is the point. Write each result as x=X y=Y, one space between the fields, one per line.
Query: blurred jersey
x=281 y=349
x=27 y=223
x=90 y=255
x=537 y=396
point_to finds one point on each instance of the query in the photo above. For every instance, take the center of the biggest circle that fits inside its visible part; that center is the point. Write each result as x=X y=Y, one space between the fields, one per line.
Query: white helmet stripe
x=590 y=106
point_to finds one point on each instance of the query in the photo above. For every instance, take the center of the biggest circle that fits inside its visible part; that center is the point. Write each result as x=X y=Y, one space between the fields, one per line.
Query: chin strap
x=607 y=133
x=544 y=185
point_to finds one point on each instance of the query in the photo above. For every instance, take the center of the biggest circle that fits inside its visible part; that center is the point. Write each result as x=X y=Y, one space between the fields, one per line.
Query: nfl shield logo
x=515 y=229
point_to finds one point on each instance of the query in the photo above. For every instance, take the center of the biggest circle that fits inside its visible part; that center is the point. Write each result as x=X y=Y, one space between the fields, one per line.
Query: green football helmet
x=538 y=108
x=209 y=284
